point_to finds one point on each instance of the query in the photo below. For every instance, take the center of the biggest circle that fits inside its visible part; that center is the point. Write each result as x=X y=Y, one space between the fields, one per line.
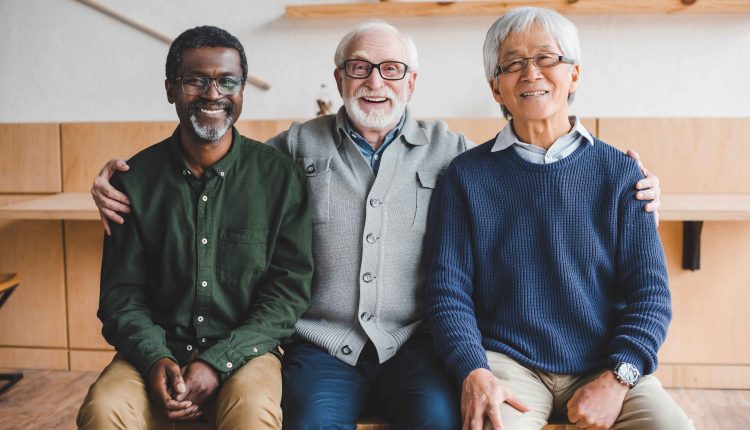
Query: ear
x=170 y=88
x=339 y=80
x=575 y=71
x=495 y=87
x=412 y=80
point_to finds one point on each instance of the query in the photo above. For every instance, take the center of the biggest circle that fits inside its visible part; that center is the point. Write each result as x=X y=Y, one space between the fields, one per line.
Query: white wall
x=62 y=61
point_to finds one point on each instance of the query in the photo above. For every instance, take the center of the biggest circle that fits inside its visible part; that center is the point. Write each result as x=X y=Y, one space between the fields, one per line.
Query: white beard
x=375 y=119
x=210 y=134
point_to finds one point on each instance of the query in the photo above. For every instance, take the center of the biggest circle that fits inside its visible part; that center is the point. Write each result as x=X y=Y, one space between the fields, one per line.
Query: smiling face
x=374 y=103
x=536 y=93
x=206 y=118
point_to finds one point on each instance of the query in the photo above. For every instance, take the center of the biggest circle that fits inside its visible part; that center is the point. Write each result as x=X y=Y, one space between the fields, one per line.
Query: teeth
x=534 y=93
x=375 y=99
x=212 y=112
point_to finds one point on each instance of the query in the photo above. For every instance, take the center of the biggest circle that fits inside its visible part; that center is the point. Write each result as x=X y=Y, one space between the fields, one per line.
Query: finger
x=178 y=384
x=517 y=404
x=114 y=205
x=634 y=155
x=645 y=195
x=177 y=405
x=105 y=224
x=182 y=414
x=111 y=215
x=645 y=183
x=111 y=192
x=495 y=418
x=121 y=165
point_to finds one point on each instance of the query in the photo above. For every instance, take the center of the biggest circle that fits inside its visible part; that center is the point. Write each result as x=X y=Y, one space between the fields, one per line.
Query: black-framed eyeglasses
x=198 y=85
x=389 y=70
x=540 y=60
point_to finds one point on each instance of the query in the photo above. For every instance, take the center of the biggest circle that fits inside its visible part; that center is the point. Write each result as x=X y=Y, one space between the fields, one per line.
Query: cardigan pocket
x=426 y=183
x=241 y=257
x=318 y=172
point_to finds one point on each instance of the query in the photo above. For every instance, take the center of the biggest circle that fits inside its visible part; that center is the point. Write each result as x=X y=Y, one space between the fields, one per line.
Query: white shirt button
x=204 y=284
x=200 y=319
x=203 y=340
x=204 y=198
x=376 y=156
x=255 y=349
x=221 y=174
x=189 y=347
x=204 y=241
x=229 y=364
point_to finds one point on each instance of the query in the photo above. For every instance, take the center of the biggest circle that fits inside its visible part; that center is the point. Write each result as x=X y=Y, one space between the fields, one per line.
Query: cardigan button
x=371 y=238
x=368 y=277
x=346 y=350
x=375 y=202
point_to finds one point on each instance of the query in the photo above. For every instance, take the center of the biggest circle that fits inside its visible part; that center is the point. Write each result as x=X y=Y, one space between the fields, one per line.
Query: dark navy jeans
x=411 y=390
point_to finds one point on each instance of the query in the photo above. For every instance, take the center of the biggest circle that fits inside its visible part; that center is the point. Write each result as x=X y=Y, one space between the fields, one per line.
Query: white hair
x=521 y=19
x=343 y=49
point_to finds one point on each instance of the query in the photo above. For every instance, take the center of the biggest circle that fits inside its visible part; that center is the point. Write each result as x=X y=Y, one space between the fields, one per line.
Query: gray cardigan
x=367 y=231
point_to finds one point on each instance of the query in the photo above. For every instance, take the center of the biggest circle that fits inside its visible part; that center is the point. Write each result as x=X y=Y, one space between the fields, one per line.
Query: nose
x=375 y=80
x=531 y=72
x=212 y=93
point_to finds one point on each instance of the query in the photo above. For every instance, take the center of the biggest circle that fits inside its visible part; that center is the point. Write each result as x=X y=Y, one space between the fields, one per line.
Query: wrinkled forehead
x=528 y=41
x=377 y=46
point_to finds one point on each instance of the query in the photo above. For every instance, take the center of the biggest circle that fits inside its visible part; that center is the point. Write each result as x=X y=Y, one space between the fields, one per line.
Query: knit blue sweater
x=555 y=265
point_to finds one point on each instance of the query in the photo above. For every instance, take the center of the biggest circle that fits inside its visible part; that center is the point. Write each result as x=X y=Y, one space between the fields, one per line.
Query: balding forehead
x=378 y=42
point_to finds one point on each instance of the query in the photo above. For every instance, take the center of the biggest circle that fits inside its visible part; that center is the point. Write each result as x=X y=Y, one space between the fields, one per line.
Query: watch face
x=627 y=373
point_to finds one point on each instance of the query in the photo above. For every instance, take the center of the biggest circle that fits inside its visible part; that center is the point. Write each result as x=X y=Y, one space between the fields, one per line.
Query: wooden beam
x=495 y=8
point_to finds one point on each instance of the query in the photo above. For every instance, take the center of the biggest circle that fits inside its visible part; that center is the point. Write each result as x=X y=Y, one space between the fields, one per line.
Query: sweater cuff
x=468 y=360
x=634 y=357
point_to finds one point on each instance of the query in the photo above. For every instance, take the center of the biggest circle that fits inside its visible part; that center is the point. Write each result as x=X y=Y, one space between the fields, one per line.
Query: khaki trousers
x=250 y=399
x=646 y=407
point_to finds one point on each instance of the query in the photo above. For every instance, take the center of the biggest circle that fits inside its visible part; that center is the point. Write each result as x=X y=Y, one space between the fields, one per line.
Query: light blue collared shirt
x=371 y=155
x=563 y=146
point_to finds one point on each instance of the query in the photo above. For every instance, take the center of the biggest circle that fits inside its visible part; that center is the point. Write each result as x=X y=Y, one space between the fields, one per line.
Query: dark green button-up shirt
x=215 y=268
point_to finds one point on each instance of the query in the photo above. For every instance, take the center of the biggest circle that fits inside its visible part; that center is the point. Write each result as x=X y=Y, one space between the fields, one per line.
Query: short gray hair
x=376 y=24
x=521 y=19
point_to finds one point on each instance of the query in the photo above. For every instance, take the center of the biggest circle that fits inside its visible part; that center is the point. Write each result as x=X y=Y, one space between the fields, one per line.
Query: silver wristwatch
x=627 y=374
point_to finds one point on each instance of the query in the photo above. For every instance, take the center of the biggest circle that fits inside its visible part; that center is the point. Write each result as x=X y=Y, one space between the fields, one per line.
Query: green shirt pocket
x=241 y=256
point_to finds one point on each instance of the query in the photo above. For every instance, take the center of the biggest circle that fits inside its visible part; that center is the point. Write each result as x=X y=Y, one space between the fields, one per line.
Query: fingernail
x=640 y=195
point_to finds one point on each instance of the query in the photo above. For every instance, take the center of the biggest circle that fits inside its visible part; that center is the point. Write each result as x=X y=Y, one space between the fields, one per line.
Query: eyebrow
x=514 y=52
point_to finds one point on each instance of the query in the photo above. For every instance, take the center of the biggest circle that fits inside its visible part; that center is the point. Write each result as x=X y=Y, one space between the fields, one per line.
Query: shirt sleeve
x=450 y=306
x=642 y=278
x=282 y=294
x=123 y=308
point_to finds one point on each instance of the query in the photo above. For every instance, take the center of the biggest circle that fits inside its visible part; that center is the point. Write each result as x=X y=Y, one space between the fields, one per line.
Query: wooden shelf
x=495 y=8
x=63 y=206
x=674 y=207
x=705 y=207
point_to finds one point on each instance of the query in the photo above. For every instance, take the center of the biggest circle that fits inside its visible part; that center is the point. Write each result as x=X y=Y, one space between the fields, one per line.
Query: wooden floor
x=49 y=399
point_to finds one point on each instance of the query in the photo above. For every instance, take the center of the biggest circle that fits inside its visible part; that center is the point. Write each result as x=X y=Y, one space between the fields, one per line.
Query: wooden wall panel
x=30 y=161
x=91 y=361
x=33 y=358
x=263 y=130
x=87 y=146
x=709 y=324
x=35 y=314
x=690 y=155
x=83 y=259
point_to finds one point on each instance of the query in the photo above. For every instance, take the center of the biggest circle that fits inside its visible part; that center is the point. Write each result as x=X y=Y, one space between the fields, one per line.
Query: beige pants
x=646 y=407
x=250 y=399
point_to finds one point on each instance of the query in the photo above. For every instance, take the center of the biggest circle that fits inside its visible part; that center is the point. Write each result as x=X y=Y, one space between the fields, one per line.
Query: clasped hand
x=182 y=392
